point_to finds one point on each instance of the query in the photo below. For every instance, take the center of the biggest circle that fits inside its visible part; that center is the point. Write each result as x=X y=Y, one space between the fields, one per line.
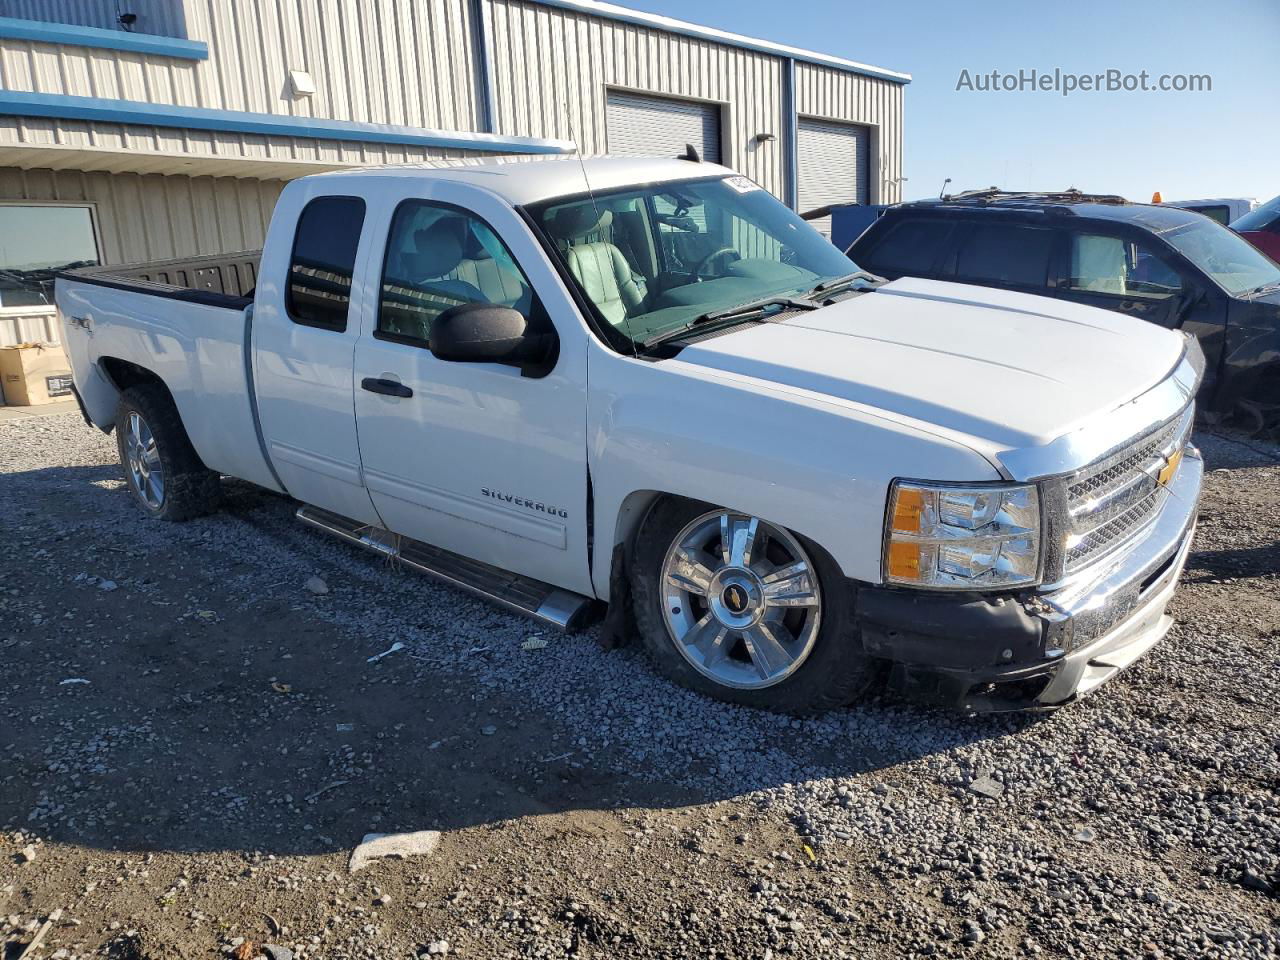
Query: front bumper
x=1039 y=650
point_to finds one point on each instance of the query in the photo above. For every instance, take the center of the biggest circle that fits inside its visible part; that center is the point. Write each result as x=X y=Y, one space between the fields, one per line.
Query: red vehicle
x=1261 y=227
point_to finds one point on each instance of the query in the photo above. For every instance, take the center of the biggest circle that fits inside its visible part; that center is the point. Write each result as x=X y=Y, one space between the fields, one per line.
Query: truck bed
x=231 y=275
x=196 y=340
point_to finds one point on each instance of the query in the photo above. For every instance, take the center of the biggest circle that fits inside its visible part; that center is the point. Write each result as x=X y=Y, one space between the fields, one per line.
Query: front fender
x=817 y=465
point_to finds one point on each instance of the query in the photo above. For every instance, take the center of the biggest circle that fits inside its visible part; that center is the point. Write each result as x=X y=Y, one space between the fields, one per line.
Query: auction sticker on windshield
x=741 y=184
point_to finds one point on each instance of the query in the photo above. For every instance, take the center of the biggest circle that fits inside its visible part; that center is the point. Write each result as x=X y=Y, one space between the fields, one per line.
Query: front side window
x=1004 y=253
x=36 y=241
x=324 y=261
x=652 y=259
x=1101 y=264
x=440 y=257
x=1231 y=261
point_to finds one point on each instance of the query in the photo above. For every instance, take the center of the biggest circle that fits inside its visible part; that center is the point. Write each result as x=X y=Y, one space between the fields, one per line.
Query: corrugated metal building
x=151 y=129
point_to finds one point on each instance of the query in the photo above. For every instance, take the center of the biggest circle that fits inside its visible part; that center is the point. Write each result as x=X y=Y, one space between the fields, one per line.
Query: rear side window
x=323 y=262
x=1003 y=253
x=910 y=246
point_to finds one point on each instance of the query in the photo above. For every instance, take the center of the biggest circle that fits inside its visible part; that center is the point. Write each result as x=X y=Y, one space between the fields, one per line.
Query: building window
x=324 y=261
x=36 y=241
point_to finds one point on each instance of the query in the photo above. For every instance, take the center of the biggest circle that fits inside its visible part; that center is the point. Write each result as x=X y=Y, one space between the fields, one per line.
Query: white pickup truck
x=648 y=384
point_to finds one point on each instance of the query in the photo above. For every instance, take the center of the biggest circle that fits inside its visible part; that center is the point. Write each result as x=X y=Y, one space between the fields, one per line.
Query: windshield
x=1260 y=218
x=1233 y=263
x=655 y=258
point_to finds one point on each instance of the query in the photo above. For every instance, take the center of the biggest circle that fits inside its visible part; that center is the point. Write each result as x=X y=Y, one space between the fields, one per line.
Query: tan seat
x=498 y=284
x=597 y=264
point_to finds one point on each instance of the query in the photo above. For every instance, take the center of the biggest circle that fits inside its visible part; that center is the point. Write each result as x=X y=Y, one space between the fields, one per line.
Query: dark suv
x=1162 y=264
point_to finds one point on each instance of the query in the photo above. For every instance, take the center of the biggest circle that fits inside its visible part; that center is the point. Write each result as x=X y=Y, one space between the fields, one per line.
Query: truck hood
x=1013 y=369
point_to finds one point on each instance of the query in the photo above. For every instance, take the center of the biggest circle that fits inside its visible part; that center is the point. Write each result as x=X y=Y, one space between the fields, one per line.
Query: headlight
x=962 y=537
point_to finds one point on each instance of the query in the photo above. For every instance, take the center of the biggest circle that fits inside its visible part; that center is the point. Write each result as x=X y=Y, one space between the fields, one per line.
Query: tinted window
x=909 y=246
x=324 y=261
x=439 y=257
x=1113 y=265
x=1005 y=254
x=37 y=240
x=1215 y=211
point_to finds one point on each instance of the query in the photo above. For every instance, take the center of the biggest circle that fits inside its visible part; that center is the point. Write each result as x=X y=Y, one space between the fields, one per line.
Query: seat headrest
x=571 y=223
x=438 y=248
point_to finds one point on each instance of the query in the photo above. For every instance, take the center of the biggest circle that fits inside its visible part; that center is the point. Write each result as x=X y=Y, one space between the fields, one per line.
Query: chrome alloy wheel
x=740 y=600
x=143 y=460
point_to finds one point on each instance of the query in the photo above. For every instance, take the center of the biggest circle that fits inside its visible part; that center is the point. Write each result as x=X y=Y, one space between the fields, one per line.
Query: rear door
x=472 y=457
x=305 y=325
x=1008 y=254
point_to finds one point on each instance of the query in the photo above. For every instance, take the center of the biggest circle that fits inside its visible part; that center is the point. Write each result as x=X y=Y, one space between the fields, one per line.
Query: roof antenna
x=690 y=153
x=942 y=193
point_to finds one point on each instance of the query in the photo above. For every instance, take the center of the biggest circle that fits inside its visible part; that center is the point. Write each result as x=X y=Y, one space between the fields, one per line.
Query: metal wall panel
x=159 y=17
x=552 y=69
x=152 y=217
x=638 y=125
x=831 y=94
x=89 y=145
x=34 y=326
x=407 y=62
x=833 y=166
x=146 y=217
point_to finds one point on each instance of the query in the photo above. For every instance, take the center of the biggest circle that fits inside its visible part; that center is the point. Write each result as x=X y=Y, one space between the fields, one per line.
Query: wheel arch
x=122 y=375
x=629 y=520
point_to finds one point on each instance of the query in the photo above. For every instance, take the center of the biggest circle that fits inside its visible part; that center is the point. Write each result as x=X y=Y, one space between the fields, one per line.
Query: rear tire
x=767 y=624
x=162 y=470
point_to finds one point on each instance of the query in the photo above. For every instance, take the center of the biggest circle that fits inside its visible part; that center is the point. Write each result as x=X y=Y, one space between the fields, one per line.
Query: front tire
x=745 y=611
x=162 y=470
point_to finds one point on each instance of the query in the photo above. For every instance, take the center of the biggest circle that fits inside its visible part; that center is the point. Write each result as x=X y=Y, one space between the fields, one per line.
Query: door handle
x=388 y=388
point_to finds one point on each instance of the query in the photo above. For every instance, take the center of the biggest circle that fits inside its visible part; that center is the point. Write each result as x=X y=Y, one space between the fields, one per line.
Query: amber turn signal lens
x=904 y=561
x=908 y=511
x=1170 y=470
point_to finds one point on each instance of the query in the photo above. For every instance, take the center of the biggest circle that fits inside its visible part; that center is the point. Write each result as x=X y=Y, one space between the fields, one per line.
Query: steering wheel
x=712 y=257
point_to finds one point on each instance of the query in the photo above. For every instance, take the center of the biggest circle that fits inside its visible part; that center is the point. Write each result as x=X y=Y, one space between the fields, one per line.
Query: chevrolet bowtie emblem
x=1167 y=472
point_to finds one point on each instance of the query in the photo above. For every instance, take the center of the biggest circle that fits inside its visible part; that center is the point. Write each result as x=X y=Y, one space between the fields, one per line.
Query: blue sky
x=1223 y=143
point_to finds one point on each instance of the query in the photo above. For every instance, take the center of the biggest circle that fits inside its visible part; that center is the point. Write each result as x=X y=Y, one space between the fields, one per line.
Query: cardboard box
x=33 y=373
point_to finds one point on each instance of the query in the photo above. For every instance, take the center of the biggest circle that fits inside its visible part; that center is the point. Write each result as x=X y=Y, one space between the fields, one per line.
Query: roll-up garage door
x=638 y=125
x=834 y=166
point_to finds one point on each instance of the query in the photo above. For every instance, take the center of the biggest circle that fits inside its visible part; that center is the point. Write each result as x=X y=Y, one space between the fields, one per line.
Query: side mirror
x=486 y=333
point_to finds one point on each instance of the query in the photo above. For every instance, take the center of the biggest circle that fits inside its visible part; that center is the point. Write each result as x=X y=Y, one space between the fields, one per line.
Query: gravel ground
x=192 y=742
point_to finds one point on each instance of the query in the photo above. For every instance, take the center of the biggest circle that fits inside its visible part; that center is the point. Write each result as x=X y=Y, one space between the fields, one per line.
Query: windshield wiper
x=839 y=283
x=742 y=311
x=1265 y=288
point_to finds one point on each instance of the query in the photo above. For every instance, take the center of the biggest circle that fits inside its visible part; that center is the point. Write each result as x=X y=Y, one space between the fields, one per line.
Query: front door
x=472 y=457
x=1123 y=275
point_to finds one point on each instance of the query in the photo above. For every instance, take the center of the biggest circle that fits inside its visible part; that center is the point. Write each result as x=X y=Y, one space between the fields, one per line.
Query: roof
x=612 y=11
x=1156 y=217
x=522 y=180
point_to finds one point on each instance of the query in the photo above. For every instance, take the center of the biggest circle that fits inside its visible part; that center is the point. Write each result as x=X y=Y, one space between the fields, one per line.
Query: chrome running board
x=553 y=606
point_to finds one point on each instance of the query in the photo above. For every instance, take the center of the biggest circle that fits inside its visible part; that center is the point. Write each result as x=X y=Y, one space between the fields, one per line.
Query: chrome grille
x=1111 y=503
